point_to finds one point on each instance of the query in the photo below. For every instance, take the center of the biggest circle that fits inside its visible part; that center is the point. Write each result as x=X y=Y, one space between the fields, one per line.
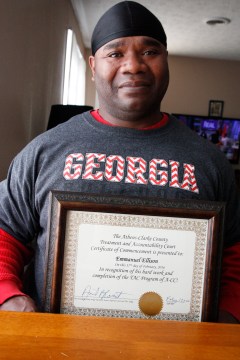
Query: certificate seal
x=150 y=303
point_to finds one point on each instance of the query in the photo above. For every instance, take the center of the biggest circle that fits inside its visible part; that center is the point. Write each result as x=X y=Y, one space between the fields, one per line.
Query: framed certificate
x=133 y=257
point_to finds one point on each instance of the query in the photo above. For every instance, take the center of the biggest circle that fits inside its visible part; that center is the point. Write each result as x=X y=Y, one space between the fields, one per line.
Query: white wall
x=193 y=82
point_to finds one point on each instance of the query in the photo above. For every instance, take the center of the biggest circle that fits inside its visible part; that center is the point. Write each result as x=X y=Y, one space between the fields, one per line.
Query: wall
x=32 y=41
x=193 y=82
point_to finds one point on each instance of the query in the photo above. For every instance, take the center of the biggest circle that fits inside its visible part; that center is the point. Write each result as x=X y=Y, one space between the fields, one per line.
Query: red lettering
x=156 y=176
x=136 y=168
x=90 y=173
x=119 y=163
x=189 y=180
x=73 y=170
x=174 y=174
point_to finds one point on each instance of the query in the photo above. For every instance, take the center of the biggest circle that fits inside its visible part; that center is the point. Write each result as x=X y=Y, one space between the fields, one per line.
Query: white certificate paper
x=111 y=260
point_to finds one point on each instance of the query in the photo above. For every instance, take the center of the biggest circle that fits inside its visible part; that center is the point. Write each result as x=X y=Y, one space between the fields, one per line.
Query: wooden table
x=49 y=336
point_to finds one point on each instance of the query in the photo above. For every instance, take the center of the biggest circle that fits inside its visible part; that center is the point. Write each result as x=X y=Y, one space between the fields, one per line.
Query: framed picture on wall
x=215 y=108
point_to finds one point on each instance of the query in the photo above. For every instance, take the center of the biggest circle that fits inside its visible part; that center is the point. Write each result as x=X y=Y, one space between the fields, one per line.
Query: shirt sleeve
x=230 y=282
x=13 y=258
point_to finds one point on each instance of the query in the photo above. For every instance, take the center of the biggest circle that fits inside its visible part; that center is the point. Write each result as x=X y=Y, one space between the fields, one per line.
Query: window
x=75 y=73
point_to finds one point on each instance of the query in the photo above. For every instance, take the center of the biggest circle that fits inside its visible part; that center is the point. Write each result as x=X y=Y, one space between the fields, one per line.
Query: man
x=158 y=156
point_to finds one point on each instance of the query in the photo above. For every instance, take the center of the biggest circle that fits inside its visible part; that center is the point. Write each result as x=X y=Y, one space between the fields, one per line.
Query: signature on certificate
x=101 y=293
x=170 y=300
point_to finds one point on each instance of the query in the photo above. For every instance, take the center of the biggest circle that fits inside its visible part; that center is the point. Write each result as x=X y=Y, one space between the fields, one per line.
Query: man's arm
x=13 y=257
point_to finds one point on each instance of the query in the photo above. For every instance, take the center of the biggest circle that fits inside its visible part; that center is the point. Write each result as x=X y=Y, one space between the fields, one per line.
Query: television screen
x=224 y=132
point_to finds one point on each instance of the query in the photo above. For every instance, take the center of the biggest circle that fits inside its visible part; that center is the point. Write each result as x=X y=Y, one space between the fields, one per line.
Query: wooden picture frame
x=215 y=108
x=79 y=223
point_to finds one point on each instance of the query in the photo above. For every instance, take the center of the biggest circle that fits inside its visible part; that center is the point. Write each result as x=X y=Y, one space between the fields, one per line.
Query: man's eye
x=151 y=52
x=115 y=54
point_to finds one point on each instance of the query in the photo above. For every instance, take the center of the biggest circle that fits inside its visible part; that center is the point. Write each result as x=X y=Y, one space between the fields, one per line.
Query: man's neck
x=161 y=121
x=128 y=121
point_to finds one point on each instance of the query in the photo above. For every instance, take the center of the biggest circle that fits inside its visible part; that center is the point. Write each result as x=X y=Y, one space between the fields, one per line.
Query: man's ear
x=91 y=61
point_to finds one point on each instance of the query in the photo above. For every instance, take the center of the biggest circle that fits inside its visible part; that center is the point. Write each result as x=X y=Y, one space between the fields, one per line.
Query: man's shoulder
x=71 y=125
x=52 y=138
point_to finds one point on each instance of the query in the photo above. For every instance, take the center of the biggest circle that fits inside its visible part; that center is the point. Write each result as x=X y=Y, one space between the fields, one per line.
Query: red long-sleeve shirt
x=13 y=257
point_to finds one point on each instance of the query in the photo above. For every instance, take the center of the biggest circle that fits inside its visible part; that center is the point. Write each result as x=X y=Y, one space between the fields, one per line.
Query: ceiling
x=184 y=22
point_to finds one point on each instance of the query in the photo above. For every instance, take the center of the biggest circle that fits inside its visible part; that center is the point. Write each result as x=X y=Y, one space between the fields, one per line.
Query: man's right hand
x=19 y=303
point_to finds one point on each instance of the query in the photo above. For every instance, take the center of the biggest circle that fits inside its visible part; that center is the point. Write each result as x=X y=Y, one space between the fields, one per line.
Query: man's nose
x=133 y=63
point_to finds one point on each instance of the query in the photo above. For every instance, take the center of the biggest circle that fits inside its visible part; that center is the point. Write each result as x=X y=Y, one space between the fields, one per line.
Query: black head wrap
x=127 y=18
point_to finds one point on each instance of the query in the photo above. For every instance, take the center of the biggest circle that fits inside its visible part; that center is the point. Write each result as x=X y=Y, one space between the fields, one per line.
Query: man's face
x=131 y=76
